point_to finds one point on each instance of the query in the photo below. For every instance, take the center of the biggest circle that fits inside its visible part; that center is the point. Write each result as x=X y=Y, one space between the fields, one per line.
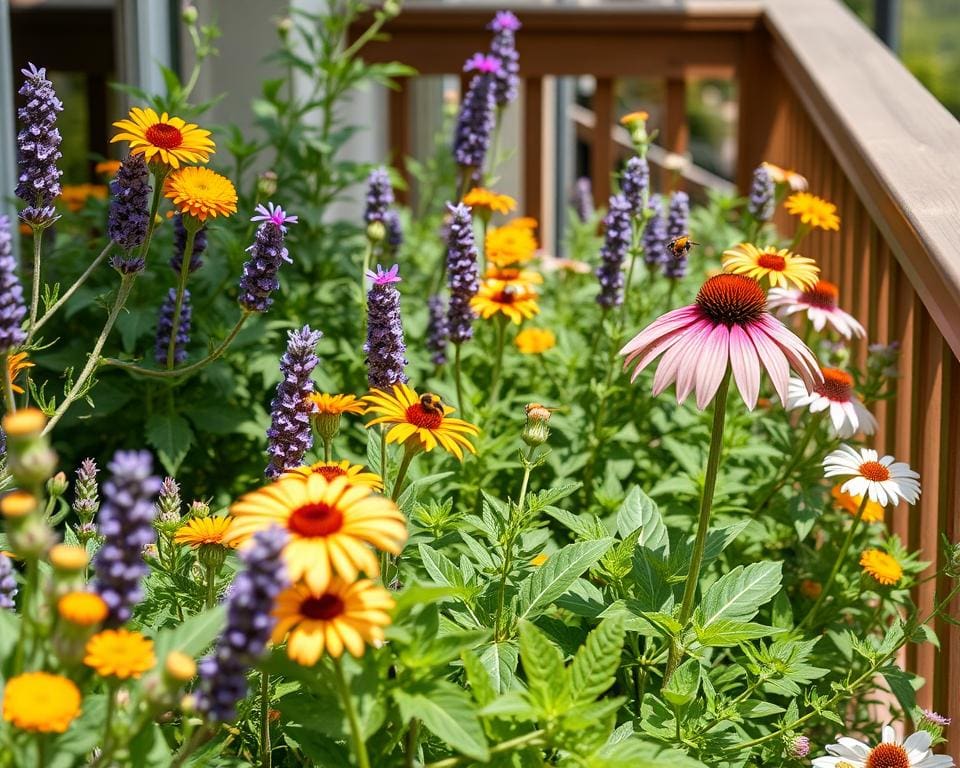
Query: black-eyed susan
x=15 y=363
x=486 y=202
x=330 y=525
x=168 y=140
x=354 y=473
x=347 y=615
x=423 y=421
x=201 y=193
x=204 y=531
x=813 y=211
x=872 y=512
x=781 y=267
x=119 y=654
x=512 y=243
x=881 y=566
x=38 y=702
x=82 y=609
x=535 y=341
x=515 y=302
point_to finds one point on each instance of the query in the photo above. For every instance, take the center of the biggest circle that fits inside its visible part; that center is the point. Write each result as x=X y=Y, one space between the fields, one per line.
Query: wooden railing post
x=533 y=148
x=398 y=108
x=602 y=158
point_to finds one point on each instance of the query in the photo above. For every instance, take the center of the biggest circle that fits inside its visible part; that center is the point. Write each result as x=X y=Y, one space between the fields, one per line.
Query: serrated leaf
x=543 y=666
x=738 y=595
x=171 y=435
x=640 y=512
x=595 y=665
x=727 y=632
x=440 y=568
x=449 y=714
x=558 y=574
x=500 y=660
x=683 y=685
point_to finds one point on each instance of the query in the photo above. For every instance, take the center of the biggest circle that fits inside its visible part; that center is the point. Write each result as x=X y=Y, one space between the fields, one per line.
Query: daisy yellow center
x=421 y=417
x=323 y=608
x=316 y=519
x=823 y=295
x=837 y=385
x=772 y=261
x=164 y=135
x=329 y=472
x=731 y=300
x=888 y=756
x=874 y=470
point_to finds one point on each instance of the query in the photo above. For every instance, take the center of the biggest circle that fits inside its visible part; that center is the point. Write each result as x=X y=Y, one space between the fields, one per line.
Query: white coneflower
x=883 y=480
x=834 y=394
x=889 y=753
x=820 y=305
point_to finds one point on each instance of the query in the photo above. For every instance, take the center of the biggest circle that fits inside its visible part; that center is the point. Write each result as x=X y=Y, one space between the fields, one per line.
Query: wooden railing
x=817 y=93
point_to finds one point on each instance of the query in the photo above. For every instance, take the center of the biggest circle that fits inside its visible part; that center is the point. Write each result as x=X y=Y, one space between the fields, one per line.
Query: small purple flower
x=616 y=242
x=267 y=254
x=391 y=222
x=165 y=328
x=126 y=524
x=798 y=747
x=581 y=199
x=379 y=195
x=504 y=47
x=438 y=329
x=635 y=183
x=761 y=201
x=929 y=717
x=169 y=502
x=471 y=140
x=12 y=307
x=505 y=21
x=655 y=235
x=385 y=347
x=38 y=144
x=180 y=246
x=463 y=274
x=129 y=207
x=8 y=583
x=482 y=64
x=289 y=436
x=223 y=674
x=675 y=266
x=85 y=492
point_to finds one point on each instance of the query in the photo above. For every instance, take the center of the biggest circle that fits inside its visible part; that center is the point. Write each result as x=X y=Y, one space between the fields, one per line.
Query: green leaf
x=558 y=574
x=595 y=665
x=171 y=435
x=727 y=632
x=194 y=636
x=640 y=512
x=543 y=665
x=440 y=568
x=500 y=660
x=738 y=595
x=449 y=714
x=478 y=677
x=682 y=687
x=9 y=632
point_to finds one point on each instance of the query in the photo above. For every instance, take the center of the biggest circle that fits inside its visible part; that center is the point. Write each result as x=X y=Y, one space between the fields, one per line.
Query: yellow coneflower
x=336 y=404
x=781 y=267
x=535 y=341
x=201 y=193
x=333 y=469
x=489 y=201
x=38 y=702
x=813 y=210
x=514 y=302
x=523 y=278
x=119 y=654
x=881 y=566
x=169 y=140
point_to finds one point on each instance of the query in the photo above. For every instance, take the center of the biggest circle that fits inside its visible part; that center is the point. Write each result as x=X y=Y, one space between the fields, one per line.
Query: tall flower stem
x=507 y=564
x=841 y=556
x=126 y=284
x=703 y=524
x=211 y=574
x=34 y=327
x=159 y=174
x=359 y=745
x=410 y=450
x=457 y=376
x=35 y=292
x=367 y=256
x=793 y=461
x=266 y=758
x=8 y=399
x=498 y=358
x=192 y=226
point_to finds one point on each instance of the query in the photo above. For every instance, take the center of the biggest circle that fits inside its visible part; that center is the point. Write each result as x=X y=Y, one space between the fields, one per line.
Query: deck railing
x=818 y=93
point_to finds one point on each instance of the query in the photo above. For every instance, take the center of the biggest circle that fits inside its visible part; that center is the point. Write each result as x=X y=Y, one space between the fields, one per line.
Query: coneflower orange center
x=888 y=756
x=824 y=295
x=316 y=519
x=836 y=385
x=164 y=135
x=421 y=417
x=874 y=470
x=329 y=472
x=772 y=261
x=322 y=608
x=731 y=300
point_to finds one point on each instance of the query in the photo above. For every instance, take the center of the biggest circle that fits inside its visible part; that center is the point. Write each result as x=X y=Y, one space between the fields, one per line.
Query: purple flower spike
x=635 y=183
x=616 y=241
x=267 y=254
x=126 y=523
x=274 y=214
x=379 y=195
x=463 y=275
x=482 y=64
x=180 y=245
x=505 y=21
x=929 y=717
x=165 y=327
x=129 y=207
x=504 y=48
x=8 y=583
x=394 y=232
x=289 y=436
x=38 y=144
x=438 y=329
x=581 y=199
x=474 y=130
x=385 y=347
x=223 y=674
x=675 y=266
x=12 y=307
x=762 y=195
x=655 y=235
x=381 y=277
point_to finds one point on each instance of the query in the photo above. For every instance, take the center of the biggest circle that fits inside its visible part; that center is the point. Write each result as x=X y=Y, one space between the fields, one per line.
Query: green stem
x=794 y=460
x=200 y=736
x=69 y=292
x=841 y=556
x=498 y=359
x=41 y=750
x=31 y=587
x=528 y=739
x=507 y=564
x=211 y=574
x=410 y=450
x=327 y=449
x=159 y=174
x=126 y=284
x=35 y=293
x=266 y=757
x=359 y=745
x=367 y=255
x=457 y=377
x=8 y=398
x=107 y=750
x=413 y=736
x=703 y=524
x=191 y=226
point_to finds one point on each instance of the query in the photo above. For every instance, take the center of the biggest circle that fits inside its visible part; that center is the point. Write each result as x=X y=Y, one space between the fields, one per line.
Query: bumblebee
x=680 y=246
x=537 y=411
x=431 y=403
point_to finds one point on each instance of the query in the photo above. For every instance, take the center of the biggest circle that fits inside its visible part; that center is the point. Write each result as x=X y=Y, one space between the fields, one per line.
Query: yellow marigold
x=204 y=531
x=535 y=341
x=523 y=222
x=16 y=363
x=514 y=302
x=781 y=267
x=872 y=513
x=489 y=201
x=75 y=196
x=336 y=404
x=167 y=139
x=510 y=244
x=119 y=653
x=201 y=193
x=107 y=168
x=39 y=702
x=881 y=566
x=792 y=179
x=82 y=609
x=813 y=210
x=640 y=116
x=353 y=472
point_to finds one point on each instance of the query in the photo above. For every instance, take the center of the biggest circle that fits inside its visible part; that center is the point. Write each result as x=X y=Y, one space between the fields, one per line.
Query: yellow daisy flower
x=630 y=118
x=332 y=469
x=330 y=525
x=881 y=566
x=813 y=210
x=424 y=419
x=514 y=302
x=792 y=179
x=336 y=404
x=16 y=363
x=781 y=267
x=489 y=201
x=346 y=615
x=525 y=278
x=872 y=513
x=119 y=653
x=510 y=244
x=535 y=341
x=201 y=193
x=82 y=609
x=168 y=139
x=204 y=531
x=39 y=702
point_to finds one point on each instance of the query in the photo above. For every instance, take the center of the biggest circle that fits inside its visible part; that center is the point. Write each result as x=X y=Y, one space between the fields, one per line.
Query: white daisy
x=847 y=414
x=882 y=479
x=820 y=304
x=889 y=753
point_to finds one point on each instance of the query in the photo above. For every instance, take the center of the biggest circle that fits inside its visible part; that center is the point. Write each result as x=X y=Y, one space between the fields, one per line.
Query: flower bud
x=189 y=14
x=376 y=231
x=536 y=430
x=30 y=536
x=179 y=667
x=267 y=184
x=68 y=559
x=284 y=26
x=57 y=485
x=25 y=424
x=391 y=8
x=798 y=747
x=199 y=508
x=212 y=556
x=17 y=505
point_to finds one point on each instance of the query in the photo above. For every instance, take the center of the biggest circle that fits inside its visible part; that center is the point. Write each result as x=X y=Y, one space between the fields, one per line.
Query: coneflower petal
x=775 y=362
x=712 y=366
x=746 y=366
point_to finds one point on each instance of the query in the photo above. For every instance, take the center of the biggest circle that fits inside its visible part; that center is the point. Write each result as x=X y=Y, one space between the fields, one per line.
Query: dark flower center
x=874 y=470
x=329 y=472
x=421 y=417
x=824 y=295
x=836 y=385
x=888 y=756
x=316 y=519
x=164 y=135
x=772 y=261
x=731 y=300
x=506 y=273
x=322 y=608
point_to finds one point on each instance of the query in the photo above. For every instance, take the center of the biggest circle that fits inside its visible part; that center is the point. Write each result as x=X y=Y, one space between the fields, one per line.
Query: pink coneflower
x=820 y=304
x=834 y=394
x=728 y=323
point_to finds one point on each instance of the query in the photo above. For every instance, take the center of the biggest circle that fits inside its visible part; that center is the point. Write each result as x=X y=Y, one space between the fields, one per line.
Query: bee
x=431 y=403
x=537 y=411
x=680 y=246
